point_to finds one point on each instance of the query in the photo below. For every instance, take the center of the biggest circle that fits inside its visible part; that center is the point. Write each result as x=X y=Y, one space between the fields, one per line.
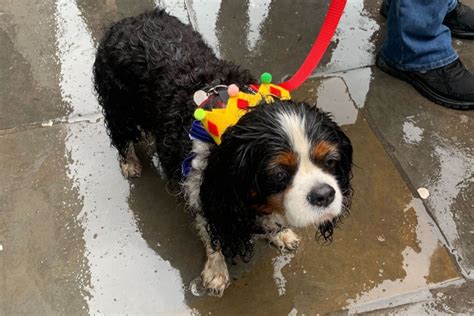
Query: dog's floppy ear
x=225 y=195
x=344 y=173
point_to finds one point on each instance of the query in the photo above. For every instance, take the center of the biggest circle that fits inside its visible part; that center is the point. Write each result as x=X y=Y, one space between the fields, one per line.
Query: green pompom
x=266 y=77
x=199 y=114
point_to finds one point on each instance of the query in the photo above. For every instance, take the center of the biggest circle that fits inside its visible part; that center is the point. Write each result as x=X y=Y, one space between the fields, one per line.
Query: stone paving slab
x=455 y=299
x=433 y=147
x=28 y=66
x=43 y=268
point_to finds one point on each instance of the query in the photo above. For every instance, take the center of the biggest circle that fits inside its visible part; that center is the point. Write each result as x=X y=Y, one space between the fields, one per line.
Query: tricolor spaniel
x=284 y=164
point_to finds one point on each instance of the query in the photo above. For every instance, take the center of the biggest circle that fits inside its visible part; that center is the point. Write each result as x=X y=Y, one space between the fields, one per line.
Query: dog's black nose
x=321 y=195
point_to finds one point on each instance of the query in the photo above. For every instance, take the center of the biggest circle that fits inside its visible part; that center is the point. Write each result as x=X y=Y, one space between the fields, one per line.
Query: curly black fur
x=146 y=71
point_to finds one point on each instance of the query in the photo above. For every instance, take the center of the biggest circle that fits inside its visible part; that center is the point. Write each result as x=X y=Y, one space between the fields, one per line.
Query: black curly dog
x=284 y=164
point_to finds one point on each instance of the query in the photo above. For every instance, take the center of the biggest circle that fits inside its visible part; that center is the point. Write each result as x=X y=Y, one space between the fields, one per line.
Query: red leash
x=215 y=122
x=320 y=46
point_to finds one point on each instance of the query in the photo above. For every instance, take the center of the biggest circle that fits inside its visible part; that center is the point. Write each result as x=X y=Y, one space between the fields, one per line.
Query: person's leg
x=417 y=39
x=418 y=50
x=452 y=4
x=459 y=20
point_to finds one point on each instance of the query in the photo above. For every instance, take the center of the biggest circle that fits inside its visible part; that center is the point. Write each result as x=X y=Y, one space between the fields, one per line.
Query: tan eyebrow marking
x=322 y=149
x=286 y=158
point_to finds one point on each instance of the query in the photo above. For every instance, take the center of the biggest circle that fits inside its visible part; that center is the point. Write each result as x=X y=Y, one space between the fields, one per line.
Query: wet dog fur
x=283 y=165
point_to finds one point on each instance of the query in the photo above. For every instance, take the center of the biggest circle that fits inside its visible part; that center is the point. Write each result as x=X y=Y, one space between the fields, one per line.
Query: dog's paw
x=132 y=168
x=286 y=240
x=215 y=276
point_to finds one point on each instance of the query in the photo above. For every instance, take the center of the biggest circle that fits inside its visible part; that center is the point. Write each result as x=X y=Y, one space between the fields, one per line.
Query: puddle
x=418 y=260
x=293 y=312
x=451 y=175
x=123 y=268
x=278 y=264
x=257 y=14
x=76 y=53
x=456 y=167
x=354 y=34
x=354 y=44
x=343 y=92
x=203 y=15
x=126 y=275
x=358 y=83
x=332 y=96
x=354 y=53
x=412 y=134
x=175 y=8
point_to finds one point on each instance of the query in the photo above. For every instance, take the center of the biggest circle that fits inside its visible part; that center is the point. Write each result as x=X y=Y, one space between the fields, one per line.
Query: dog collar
x=232 y=104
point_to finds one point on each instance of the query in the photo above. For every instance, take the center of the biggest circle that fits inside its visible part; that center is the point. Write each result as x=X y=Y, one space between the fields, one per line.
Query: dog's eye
x=331 y=163
x=280 y=176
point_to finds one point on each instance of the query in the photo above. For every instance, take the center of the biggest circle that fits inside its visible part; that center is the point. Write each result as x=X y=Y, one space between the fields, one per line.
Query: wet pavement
x=77 y=238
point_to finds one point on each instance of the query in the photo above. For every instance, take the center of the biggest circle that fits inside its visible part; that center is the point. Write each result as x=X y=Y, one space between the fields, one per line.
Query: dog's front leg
x=275 y=231
x=130 y=165
x=215 y=276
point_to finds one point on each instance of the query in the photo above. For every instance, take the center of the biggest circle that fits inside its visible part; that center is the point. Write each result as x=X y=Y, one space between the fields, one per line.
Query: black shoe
x=460 y=21
x=451 y=86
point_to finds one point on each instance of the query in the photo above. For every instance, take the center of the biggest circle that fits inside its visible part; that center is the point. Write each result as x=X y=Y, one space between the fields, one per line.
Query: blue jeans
x=416 y=39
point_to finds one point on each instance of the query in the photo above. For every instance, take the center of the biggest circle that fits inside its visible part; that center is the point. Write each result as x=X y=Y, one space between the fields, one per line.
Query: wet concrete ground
x=77 y=238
